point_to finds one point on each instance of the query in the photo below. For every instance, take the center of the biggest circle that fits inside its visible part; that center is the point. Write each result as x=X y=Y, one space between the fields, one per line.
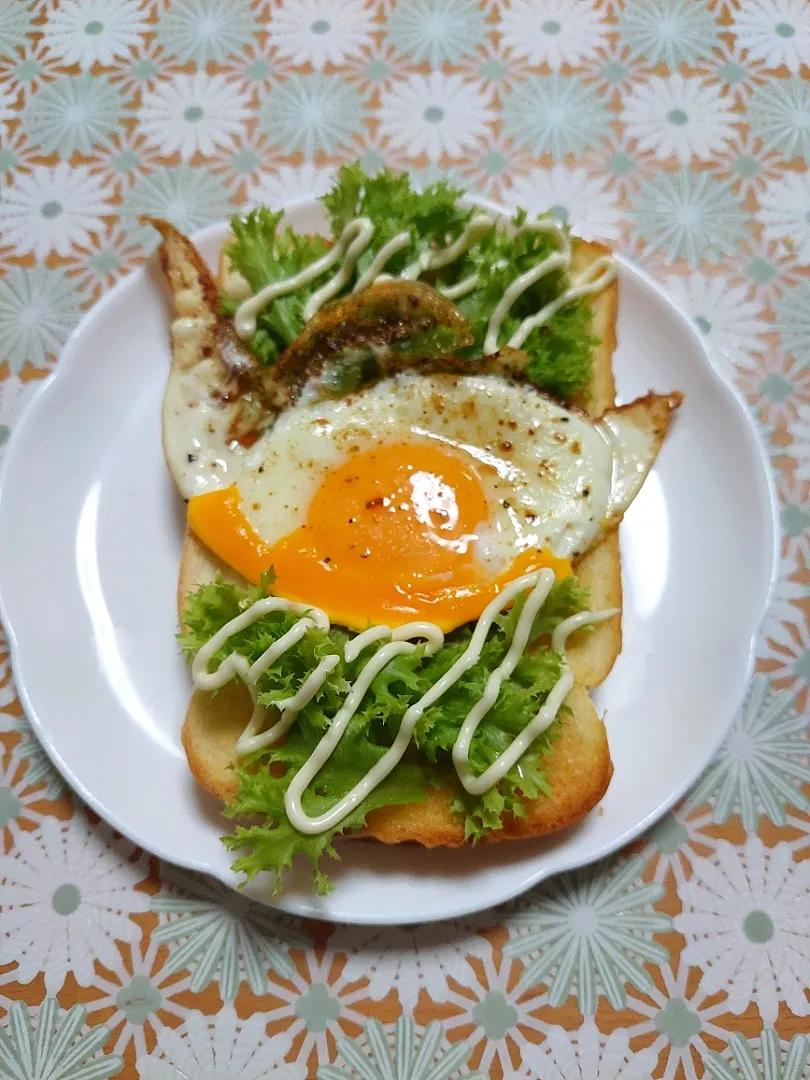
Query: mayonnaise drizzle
x=357 y=236
x=352 y=242
x=401 y=642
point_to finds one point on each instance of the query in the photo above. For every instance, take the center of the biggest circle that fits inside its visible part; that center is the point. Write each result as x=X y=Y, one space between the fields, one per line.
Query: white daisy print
x=189 y=198
x=320 y=998
x=218 y=1046
x=586 y=1054
x=87 y=32
x=765 y=1058
x=308 y=113
x=573 y=196
x=137 y=998
x=554 y=115
x=38 y=309
x=792 y=311
x=495 y=67
x=123 y=158
x=729 y=320
x=675 y=841
x=142 y=68
x=110 y=256
x=770 y=267
x=203 y=30
x=592 y=930
x=28 y=749
x=762 y=764
x=18 y=800
x=779 y=113
x=288 y=184
x=679 y=117
x=490 y=169
x=794 y=516
x=800 y=430
x=27 y=68
x=75 y=112
x=739 y=75
x=688 y=215
x=409 y=958
x=16 y=152
x=784 y=213
x=553 y=32
x=194 y=113
x=680 y=1021
x=219 y=935
x=786 y=658
x=783 y=611
x=435 y=114
x=48 y=1041
x=501 y=1010
x=746 y=929
x=672 y=32
x=376 y=1056
x=320 y=32
x=435 y=31
x=621 y=166
x=774 y=31
x=67 y=896
x=752 y=167
x=52 y=209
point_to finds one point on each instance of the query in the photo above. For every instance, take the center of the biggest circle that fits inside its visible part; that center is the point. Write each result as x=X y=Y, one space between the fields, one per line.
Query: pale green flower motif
x=49 y=1043
x=86 y=32
x=29 y=749
x=38 y=309
x=18 y=801
x=436 y=31
x=765 y=1058
x=406 y=1056
x=190 y=197
x=793 y=319
x=203 y=30
x=779 y=114
x=672 y=32
x=220 y=935
x=311 y=113
x=555 y=114
x=592 y=929
x=16 y=24
x=73 y=113
x=688 y=215
x=763 y=763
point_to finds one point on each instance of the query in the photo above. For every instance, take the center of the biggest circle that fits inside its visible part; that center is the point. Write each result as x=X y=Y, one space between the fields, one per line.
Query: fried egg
x=422 y=496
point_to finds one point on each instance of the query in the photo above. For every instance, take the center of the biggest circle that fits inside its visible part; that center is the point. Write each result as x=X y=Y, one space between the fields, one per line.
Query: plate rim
x=27 y=420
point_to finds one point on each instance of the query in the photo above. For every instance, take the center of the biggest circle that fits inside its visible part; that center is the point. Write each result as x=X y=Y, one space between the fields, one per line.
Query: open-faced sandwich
x=404 y=471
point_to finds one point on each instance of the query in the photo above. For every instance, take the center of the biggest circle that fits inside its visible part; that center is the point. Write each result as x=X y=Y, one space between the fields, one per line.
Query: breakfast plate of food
x=384 y=553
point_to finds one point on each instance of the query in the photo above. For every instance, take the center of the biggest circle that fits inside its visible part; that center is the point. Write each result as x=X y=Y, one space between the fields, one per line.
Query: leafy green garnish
x=263 y=254
x=560 y=352
x=264 y=775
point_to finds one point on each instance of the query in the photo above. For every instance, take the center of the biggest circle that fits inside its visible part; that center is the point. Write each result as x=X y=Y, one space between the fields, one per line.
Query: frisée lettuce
x=264 y=836
x=560 y=351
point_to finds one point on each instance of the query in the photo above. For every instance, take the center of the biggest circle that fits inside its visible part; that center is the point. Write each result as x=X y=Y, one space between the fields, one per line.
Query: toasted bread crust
x=579 y=767
x=579 y=771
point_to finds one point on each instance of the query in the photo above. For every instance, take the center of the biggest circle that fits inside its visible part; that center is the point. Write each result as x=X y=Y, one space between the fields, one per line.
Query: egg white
x=551 y=476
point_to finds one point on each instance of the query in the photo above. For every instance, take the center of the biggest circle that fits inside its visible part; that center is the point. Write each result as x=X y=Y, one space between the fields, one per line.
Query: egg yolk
x=389 y=538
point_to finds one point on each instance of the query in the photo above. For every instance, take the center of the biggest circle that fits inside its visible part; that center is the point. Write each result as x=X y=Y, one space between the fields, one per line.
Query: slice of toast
x=579 y=768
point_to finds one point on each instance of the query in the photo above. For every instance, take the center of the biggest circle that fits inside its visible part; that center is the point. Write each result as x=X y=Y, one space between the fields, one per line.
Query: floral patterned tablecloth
x=676 y=130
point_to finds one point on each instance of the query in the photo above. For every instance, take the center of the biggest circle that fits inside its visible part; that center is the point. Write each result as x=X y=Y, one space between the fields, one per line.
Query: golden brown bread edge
x=579 y=768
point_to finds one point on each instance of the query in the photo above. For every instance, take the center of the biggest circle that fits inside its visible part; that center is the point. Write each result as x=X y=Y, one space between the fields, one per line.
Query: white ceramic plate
x=90 y=536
